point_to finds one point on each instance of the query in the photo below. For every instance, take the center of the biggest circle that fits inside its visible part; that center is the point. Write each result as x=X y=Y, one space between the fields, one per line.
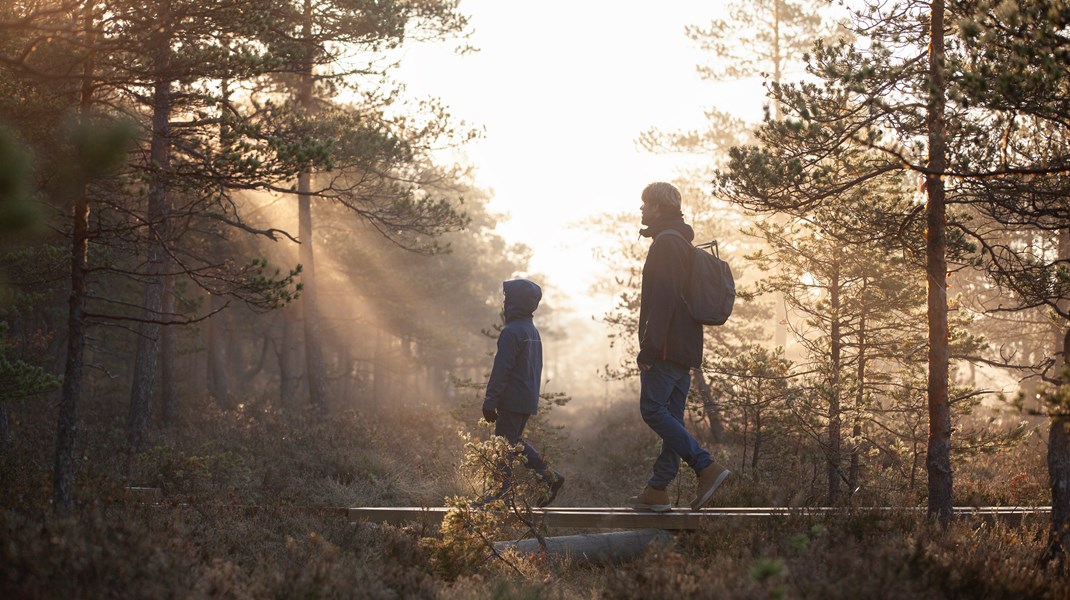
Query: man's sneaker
x=709 y=479
x=652 y=499
x=554 y=481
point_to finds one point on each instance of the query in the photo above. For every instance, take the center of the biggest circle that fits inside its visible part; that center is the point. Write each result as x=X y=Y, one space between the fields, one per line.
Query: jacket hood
x=521 y=298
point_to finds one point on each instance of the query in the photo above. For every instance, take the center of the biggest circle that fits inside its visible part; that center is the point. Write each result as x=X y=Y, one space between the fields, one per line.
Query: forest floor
x=204 y=540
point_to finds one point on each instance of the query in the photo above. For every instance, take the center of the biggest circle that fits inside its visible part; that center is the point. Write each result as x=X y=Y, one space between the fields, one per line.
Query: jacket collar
x=671 y=222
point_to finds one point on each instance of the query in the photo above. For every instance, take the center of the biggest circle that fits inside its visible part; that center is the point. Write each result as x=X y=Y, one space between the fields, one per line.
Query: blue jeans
x=510 y=425
x=662 y=399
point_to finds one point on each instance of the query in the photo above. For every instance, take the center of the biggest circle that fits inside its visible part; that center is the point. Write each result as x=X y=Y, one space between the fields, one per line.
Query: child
x=513 y=390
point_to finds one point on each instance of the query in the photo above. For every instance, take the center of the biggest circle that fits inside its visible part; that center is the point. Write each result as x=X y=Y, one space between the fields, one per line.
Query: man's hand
x=490 y=414
x=645 y=360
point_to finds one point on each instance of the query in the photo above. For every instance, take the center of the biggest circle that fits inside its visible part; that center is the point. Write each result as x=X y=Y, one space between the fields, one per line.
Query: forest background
x=245 y=266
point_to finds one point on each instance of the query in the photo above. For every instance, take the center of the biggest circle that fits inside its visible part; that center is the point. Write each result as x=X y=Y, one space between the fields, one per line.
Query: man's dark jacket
x=515 y=379
x=666 y=329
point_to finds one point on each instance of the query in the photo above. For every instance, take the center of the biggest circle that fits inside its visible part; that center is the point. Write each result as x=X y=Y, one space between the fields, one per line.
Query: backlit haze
x=563 y=90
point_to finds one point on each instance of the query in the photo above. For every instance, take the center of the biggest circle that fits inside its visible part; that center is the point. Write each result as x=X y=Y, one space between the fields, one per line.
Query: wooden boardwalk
x=679 y=519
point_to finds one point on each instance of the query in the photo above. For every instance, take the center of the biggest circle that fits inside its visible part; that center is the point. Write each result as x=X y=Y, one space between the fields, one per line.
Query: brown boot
x=652 y=499
x=709 y=479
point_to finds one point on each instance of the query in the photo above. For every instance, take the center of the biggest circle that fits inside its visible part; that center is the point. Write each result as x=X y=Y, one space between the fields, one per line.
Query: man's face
x=650 y=212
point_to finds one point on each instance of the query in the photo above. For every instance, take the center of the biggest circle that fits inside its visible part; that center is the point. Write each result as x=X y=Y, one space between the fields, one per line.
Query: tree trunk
x=5 y=424
x=709 y=405
x=1059 y=476
x=757 y=442
x=1059 y=451
x=316 y=371
x=63 y=474
x=348 y=378
x=218 y=373
x=938 y=456
x=855 y=473
x=71 y=391
x=379 y=387
x=834 y=467
x=743 y=459
x=289 y=363
x=777 y=59
x=780 y=305
x=145 y=359
x=169 y=357
x=218 y=367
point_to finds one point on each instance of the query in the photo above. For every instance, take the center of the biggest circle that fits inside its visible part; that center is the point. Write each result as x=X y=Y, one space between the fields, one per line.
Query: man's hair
x=661 y=193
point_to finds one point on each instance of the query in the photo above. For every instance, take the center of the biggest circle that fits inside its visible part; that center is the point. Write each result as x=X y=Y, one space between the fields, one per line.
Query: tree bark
x=289 y=363
x=757 y=442
x=709 y=405
x=218 y=373
x=317 y=373
x=1059 y=472
x=146 y=357
x=71 y=391
x=780 y=307
x=855 y=472
x=834 y=467
x=1059 y=476
x=5 y=424
x=938 y=457
x=380 y=385
x=63 y=473
x=1059 y=451
x=169 y=357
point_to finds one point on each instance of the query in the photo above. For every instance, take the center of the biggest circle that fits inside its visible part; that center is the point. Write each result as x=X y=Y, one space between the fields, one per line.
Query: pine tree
x=369 y=161
x=902 y=101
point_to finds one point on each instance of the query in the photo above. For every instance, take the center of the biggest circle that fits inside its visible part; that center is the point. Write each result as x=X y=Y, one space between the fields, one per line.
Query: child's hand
x=490 y=414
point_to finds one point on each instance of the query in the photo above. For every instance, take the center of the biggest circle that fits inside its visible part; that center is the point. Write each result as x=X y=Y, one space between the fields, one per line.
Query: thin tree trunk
x=379 y=388
x=317 y=373
x=256 y=367
x=780 y=308
x=348 y=383
x=217 y=364
x=743 y=459
x=938 y=456
x=218 y=373
x=1059 y=451
x=834 y=433
x=855 y=473
x=709 y=405
x=1059 y=477
x=146 y=357
x=5 y=424
x=289 y=363
x=169 y=357
x=1059 y=473
x=71 y=391
x=757 y=441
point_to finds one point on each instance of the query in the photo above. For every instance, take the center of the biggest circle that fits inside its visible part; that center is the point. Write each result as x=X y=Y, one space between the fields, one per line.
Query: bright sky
x=564 y=88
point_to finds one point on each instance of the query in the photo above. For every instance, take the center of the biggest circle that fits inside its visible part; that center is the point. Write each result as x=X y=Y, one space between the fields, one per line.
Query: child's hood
x=521 y=298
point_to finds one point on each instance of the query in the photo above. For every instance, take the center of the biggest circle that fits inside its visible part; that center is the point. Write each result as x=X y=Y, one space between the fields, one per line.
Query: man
x=670 y=344
x=513 y=389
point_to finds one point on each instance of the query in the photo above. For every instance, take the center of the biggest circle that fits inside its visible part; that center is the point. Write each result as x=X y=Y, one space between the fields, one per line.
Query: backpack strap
x=690 y=261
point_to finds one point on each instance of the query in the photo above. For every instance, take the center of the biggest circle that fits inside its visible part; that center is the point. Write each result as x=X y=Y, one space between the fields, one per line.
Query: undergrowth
x=249 y=509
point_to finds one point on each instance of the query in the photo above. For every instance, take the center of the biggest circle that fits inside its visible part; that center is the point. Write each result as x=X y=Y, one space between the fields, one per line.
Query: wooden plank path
x=678 y=519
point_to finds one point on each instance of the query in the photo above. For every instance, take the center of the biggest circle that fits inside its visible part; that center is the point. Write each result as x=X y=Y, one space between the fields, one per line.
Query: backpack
x=711 y=289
